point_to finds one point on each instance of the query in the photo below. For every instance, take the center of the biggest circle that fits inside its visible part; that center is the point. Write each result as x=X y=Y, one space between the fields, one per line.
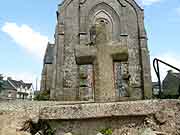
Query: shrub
x=106 y=131
x=42 y=96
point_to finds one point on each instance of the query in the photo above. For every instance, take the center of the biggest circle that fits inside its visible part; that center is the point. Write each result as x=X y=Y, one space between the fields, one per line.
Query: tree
x=1 y=81
x=42 y=95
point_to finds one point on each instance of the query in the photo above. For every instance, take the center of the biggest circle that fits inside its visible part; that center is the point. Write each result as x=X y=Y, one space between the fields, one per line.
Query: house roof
x=11 y=84
x=177 y=75
x=7 y=86
x=172 y=74
x=18 y=84
x=155 y=83
x=49 y=54
x=15 y=83
x=28 y=85
x=171 y=83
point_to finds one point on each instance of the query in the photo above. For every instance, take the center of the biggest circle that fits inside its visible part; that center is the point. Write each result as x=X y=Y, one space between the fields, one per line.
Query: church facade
x=100 y=52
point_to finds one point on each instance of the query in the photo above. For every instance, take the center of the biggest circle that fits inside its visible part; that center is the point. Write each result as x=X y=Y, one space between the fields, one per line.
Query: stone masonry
x=100 y=52
x=46 y=76
x=159 y=116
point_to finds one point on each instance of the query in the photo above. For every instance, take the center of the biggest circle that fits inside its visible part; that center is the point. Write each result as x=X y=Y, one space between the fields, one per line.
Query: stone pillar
x=147 y=82
x=60 y=61
x=146 y=69
x=53 y=85
x=123 y=21
x=83 y=35
x=104 y=88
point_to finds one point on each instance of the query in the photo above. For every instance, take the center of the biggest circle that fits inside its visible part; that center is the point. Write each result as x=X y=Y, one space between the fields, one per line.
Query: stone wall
x=8 y=94
x=46 y=80
x=94 y=126
x=160 y=116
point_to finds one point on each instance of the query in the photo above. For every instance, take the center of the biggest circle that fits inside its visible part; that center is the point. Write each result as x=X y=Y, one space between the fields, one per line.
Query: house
x=155 y=88
x=171 y=84
x=8 y=92
x=13 y=89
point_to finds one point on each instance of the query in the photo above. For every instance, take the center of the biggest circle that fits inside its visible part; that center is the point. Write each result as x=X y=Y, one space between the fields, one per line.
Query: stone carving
x=101 y=32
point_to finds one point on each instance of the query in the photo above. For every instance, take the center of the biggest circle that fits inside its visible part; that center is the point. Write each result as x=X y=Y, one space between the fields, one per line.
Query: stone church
x=100 y=53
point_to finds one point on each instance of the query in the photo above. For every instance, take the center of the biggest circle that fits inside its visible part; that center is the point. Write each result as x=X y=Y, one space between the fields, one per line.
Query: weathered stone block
x=89 y=119
x=86 y=93
x=85 y=54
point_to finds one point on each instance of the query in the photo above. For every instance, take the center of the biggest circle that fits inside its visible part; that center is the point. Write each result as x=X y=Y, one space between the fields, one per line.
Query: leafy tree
x=1 y=81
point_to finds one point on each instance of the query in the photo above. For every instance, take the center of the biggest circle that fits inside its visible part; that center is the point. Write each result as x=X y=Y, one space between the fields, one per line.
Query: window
x=18 y=96
x=9 y=95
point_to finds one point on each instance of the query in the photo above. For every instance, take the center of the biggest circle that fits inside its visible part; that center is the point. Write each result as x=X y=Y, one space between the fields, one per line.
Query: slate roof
x=171 y=83
x=7 y=86
x=155 y=83
x=28 y=85
x=177 y=75
x=172 y=74
x=18 y=84
x=49 y=54
x=15 y=83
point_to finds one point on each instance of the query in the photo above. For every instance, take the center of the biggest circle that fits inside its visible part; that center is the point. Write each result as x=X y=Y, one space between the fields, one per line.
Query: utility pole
x=36 y=84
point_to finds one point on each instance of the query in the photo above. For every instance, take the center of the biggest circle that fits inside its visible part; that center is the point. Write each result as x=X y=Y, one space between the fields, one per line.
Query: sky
x=27 y=25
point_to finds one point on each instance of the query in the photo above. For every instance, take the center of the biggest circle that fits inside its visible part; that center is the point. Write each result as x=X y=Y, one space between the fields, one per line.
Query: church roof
x=48 y=58
x=132 y=2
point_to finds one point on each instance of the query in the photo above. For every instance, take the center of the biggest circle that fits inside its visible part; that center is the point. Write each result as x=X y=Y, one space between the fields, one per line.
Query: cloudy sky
x=27 y=25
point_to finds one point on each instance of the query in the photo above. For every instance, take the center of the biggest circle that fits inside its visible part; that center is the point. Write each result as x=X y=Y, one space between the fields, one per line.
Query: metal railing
x=157 y=71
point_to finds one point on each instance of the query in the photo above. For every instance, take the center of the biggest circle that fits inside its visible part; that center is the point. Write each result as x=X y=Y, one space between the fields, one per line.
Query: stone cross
x=102 y=55
x=106 y=55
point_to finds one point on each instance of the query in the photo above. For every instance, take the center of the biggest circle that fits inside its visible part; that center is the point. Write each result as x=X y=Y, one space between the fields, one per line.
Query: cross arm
x=85 y=54
x=119 y=53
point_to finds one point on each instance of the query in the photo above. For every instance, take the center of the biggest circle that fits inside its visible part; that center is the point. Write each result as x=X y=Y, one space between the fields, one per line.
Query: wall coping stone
x=51 y=110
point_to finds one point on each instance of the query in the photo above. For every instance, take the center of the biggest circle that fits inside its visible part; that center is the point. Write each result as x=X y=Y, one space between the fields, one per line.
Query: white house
x=24 y=90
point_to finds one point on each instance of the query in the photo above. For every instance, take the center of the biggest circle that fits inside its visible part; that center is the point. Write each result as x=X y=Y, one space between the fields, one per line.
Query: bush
x=106 y=131
x=169 y=97
x=42 y=96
